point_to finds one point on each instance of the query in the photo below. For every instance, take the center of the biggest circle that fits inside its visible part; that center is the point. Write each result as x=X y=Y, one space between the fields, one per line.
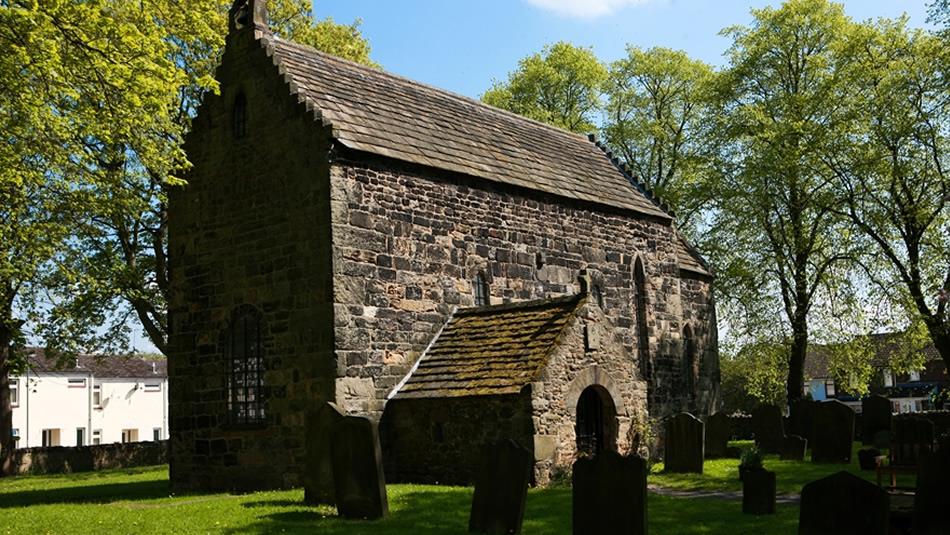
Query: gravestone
x=758 y=492
x=501 y=489
x=793 y=448
x=768 y=428
x=801 y=418
x=684 y=444
x=911 y=437
x=834 y=433
x=875 y=417
x=609 y=495
x=718 y=432
x=318 y=475
x=360 y=488
x=882 y=440
x=843 y=504
x=867 y=458
x=931 y=500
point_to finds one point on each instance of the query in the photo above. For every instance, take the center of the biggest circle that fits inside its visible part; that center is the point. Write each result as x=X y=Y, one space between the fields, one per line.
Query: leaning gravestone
x=843 y=504
x=834 y=433
x=801 y=418
x=610 y=495
x=358 y=469
x=501 y=489
x=768 y=428
x=875 y=417
x=793 y=448
x=718 y=432
x=318 y=478
x=931 y=499
x=684 y=444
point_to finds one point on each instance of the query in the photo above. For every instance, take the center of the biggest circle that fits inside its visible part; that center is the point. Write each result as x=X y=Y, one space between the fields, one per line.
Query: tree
x=559 y=86
x=655 y=118
x=891 y=167
x=755 y=375
x=774 y=233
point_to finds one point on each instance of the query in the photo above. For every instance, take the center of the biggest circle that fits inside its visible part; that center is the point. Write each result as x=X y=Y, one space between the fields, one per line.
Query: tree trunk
x=6 y=411
x=940 y=335
x=796 y=360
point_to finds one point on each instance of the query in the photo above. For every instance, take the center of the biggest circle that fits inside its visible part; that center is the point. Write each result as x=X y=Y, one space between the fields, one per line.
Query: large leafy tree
x=774 y=233
x=656 y=119
x=560 y=86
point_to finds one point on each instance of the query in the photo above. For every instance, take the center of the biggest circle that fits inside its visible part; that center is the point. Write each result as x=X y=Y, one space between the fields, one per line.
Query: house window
x=830 y=388
x=482 y=290
x=153 y=387
x=130 y=435
x=246 y=376
x=888 y=378
x=14 y=393
x=643 y=337
x=76 y=383
x=156 y=433
x=15 y=433
x=97 y=396
x=80 y=436
x=239 y=116
x=690 y=362
x=97 y=436
x=50 y=438
x=914 y=376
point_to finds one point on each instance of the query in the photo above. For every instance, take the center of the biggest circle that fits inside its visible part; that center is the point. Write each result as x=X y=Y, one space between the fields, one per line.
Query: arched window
x=482 y=290
x=690 y=361
x=643 y=336
x=239 y=116
x=246 y=367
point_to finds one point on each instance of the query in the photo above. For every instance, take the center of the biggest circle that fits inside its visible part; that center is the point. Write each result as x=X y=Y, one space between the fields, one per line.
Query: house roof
x=886 y=346
x=493 y=350
x=102 y=366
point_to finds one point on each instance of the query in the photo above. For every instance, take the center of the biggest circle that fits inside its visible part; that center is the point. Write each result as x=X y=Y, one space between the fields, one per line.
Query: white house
x=95 y=400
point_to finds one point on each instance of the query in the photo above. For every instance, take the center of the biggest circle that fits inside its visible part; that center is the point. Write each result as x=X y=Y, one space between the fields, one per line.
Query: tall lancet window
x=239 y=116
x=643 y=336
x=482 y=290
x=246 y=367
x=691 y=362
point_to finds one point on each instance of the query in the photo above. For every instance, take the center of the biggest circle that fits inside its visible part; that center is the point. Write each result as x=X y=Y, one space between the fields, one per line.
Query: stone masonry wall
x=251 y=228
x=408 y=242
x=60 y=460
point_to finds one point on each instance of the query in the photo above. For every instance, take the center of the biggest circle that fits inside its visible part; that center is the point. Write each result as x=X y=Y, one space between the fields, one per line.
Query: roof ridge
x=520 y=305
x=442 y=91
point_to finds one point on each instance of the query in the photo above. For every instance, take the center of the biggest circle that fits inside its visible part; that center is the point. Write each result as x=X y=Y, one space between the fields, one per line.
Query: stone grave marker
x=911 y=437
x=801 y=418
x=609 y=495
x=318 y=477
x=768 y=428
x=931 y=500
x=843 y=504
x=718 y=432
x=834 y=433
x=358 y=469
x=501 y=489
x=793 y=448
x=684 y=444
x=875 y=417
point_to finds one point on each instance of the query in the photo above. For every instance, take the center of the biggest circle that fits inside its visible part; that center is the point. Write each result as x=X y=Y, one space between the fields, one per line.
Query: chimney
x=248 y=13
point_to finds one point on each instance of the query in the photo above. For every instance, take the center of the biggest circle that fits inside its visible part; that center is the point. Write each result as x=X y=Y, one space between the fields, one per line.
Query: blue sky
x=461 y=45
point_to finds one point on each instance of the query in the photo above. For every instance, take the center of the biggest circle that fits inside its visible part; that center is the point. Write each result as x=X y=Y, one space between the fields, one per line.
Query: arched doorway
x=595 y=426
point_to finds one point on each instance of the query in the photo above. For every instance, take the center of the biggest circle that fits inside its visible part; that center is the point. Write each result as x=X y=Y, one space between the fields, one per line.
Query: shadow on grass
x=95 y=493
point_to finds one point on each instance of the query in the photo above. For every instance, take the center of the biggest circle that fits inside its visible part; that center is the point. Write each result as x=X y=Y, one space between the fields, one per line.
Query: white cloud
x=588 y=9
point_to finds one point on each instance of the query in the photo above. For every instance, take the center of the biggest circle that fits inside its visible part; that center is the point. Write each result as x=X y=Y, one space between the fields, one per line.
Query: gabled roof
x=102 y=366
x=372 y=111
x=493 y=350
x=886 y=347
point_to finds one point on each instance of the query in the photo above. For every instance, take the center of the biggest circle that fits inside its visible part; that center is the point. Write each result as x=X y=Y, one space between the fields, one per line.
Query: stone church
x=457 y=273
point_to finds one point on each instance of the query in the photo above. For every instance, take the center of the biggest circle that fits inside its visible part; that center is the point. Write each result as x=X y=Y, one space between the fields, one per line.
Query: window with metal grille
x=239 y=116
x=643 y=337
x=482 y=291
x=246 y=379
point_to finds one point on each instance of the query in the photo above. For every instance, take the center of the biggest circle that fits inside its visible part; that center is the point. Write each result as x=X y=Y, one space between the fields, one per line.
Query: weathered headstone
x=318 y=476
x=834 y=433
x=768 y=428
x=358 y=469
x=911 y=437
x=801 y=418
x=758 y=492
x=718 y=432
x=610 y=495
x=882 y=440
x=875 y=417
x=793 y=448
x=843 y=504
x=931 y=500
x=501 y=489
x=684 y=444
x=867 y=458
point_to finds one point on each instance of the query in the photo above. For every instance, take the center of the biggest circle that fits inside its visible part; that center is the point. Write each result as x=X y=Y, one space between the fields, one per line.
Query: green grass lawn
x=137 y=501
x=790 y=476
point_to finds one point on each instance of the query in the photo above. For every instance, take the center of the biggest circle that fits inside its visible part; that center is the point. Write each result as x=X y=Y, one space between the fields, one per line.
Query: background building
x=96 y=400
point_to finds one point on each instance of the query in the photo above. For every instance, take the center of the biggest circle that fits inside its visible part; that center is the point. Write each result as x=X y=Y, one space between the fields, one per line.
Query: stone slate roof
x=493 y=350
x=102 y=366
